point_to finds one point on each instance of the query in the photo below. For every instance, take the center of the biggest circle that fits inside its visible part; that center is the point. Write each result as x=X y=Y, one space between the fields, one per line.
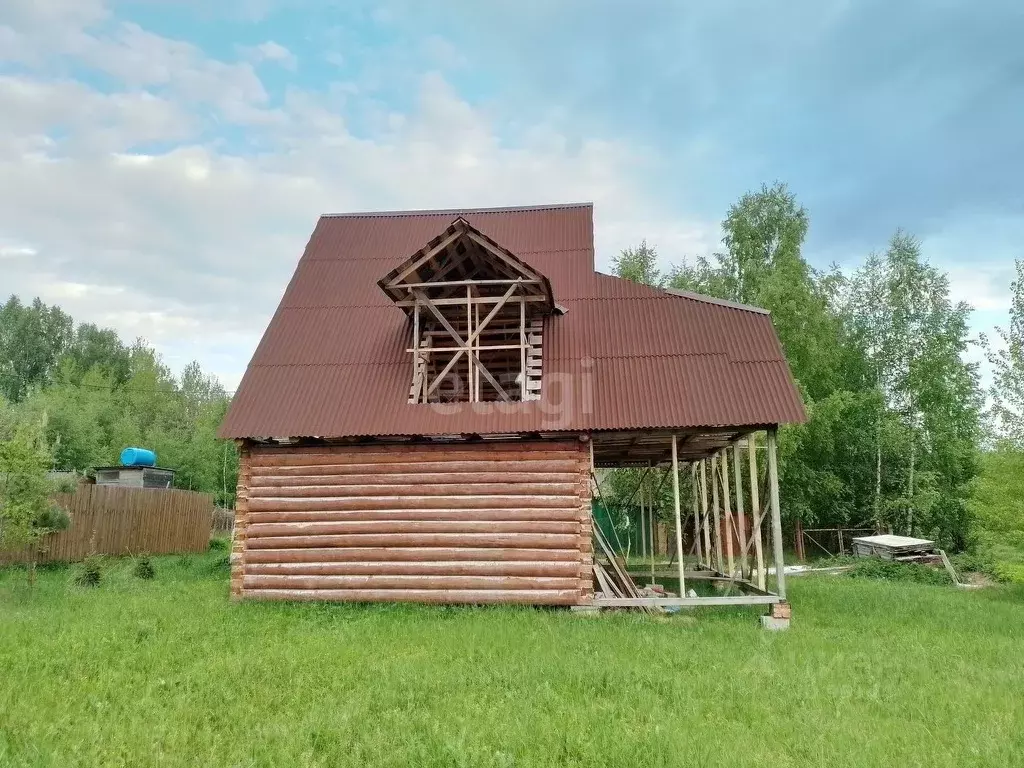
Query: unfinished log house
x=423 y=418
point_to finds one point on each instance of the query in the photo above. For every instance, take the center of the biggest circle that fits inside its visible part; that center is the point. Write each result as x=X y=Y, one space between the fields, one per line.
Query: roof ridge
x=456 y=211
x=713 y=300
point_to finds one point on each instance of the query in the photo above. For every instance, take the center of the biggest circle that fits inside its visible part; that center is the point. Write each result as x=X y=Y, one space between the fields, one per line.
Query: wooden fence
x=113 y=520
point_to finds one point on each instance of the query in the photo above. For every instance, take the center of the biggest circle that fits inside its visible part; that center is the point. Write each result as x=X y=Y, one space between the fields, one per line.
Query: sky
x=162 y=163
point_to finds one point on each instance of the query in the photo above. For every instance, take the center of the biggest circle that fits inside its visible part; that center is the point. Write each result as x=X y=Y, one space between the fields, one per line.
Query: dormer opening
x=477 y=319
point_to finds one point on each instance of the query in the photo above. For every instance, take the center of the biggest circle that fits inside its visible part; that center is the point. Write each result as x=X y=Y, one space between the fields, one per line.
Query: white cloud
x=120 y=206
x=272 y=52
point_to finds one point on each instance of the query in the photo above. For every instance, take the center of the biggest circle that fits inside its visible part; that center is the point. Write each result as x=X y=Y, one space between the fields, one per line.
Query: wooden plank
x=256 y=530
x=461 y=283
x=669 y=602
x=476 y=300
x=412 y=554
x=755 y=511
x=426 y=256
x=503 y=540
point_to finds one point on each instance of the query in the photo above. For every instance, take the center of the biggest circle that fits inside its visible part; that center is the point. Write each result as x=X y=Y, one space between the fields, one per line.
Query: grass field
x=169 y=672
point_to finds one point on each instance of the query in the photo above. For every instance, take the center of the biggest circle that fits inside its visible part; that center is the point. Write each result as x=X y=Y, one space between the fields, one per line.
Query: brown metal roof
x=333 y=363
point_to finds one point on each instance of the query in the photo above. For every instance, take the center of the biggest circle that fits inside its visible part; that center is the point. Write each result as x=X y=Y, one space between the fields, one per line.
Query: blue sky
x=166 y=161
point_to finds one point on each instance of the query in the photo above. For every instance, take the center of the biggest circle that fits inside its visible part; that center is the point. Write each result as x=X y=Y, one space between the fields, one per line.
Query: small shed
x=135 y=477
x=427 y=411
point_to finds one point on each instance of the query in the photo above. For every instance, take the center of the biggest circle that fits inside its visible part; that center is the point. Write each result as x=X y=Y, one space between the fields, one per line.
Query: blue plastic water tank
x=138 y=457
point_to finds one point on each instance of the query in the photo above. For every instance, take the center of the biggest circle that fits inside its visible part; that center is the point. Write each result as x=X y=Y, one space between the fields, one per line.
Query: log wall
x=469 y=523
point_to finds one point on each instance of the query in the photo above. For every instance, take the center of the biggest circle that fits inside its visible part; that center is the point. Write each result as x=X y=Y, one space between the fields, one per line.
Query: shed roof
x=624 y=356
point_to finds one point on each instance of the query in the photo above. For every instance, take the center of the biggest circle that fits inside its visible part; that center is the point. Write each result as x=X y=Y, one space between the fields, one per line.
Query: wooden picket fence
x=112 y=520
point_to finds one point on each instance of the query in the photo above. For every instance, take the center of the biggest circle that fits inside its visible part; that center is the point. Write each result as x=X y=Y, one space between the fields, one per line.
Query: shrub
x=1011 y=573
x=144 y=569
x=220 y=545
x=90 y=573
x=890 y=570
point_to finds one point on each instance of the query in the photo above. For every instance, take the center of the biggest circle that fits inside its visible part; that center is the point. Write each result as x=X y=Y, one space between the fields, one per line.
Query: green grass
x=168 y=672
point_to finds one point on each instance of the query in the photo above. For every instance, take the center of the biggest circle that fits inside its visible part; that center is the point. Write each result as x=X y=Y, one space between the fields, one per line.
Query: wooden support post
x=417 y=374
x=755 y=512
x=470 y=371
x=476 y=344
x=704 y=524
x=523 y=390
x=717 y=512
x=650 y=528
x=643 y=526
x=679 y=522
x=773 y=491
x=696 y=513
x=737 y=471
x=730 y=528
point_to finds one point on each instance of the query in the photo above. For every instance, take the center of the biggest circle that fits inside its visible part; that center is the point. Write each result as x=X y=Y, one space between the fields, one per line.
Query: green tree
x=27 y=513
x=33 y=339
x=639 y=264
x=1008 y=368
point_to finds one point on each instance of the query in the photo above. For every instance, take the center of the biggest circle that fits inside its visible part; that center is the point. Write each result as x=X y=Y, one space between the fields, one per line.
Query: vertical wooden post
x=650 y=528
x=755 y=511
x=696 y=513
x=737 y=472
x=643 y=524
x=773 y=491
x=524 y=392
x=416 y=349
x=704 y=522
x=679 y=522
x=730 y=528
x=717 y=512
x=476 y=349
x=470 y=372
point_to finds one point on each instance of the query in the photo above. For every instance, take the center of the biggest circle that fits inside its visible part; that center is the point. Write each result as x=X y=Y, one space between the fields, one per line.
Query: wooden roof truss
x=477 y=314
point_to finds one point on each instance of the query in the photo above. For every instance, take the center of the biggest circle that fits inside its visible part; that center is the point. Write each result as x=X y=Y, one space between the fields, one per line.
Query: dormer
x=477 y=315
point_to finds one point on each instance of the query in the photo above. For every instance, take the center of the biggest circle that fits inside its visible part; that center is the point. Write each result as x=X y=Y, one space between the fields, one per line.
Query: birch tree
x=1007 y=362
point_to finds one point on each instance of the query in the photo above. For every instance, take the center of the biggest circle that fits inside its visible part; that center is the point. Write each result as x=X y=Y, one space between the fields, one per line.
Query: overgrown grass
x=168 y=672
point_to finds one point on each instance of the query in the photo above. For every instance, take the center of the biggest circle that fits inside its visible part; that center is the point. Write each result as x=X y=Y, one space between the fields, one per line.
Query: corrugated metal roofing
x=332 y=363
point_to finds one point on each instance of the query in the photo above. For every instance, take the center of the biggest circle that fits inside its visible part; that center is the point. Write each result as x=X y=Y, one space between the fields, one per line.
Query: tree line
x=89 y=395
x=898 y=427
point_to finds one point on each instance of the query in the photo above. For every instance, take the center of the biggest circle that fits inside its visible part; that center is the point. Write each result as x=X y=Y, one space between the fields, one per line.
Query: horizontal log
x=552 y=444
x=442 y=596
x=257 y=504
x=407 y=582
x=568 y=568
x=300 y=457
x=413 y=555
x=498 y=515
x=409 y=526
x=524 y=540
x=572 y=466
x=418 y=478
x=465 y=489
